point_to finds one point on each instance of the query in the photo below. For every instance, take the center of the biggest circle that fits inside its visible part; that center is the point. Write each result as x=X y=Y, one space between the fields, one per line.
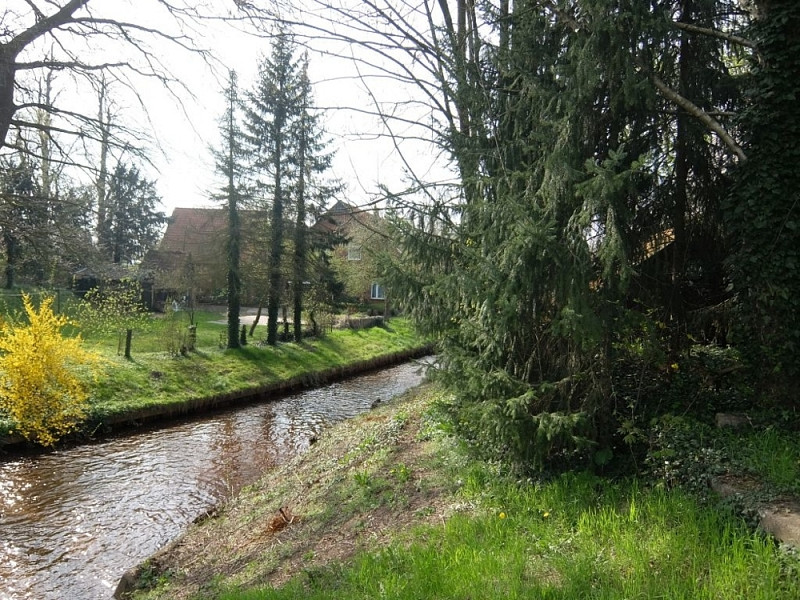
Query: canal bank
x=391 y=505
x=73 y=521
x=158 y=388
x=365 y=481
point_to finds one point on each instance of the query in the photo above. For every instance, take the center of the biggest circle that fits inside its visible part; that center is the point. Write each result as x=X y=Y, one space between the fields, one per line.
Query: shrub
x=174 y=337
x=41 y=388
x=117 y=309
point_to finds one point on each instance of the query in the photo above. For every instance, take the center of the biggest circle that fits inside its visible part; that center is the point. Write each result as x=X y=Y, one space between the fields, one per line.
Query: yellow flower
x=545 y=515
x=502 y=515
x=674 y=366
x=41 y=387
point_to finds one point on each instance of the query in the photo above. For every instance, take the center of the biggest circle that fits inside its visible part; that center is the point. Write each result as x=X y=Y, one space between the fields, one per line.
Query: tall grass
x=771 y=454
x=575 y=537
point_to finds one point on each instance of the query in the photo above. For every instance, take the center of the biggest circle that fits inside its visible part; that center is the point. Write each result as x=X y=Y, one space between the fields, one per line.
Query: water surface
x=72 y=521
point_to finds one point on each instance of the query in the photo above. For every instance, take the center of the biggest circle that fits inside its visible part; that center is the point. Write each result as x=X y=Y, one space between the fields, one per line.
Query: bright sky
x=362 y=159
x=185 y=171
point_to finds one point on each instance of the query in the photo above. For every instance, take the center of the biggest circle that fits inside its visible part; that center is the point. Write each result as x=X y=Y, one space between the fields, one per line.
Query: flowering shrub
x=115 y=309
x=41 y=388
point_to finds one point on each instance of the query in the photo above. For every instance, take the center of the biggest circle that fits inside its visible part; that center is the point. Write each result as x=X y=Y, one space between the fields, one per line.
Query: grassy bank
x=155 y=383
x=389 y=505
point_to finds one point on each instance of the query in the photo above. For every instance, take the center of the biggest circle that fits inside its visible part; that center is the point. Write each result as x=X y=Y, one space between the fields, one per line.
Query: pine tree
x=271 y=110
x=312 y=161
x=230 y=165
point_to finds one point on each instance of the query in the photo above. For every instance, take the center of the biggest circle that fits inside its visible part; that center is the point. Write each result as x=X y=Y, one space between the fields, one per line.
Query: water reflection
x=72 y=521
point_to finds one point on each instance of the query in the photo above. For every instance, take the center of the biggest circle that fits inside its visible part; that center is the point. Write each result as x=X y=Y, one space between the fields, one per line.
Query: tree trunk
x=300 y=238
x=101 y=185
x=675 y=300
x=257 y=318
x=7 y=107
x=234 y=281
x=128 y=339
x=314 y=326
x=276 y=252
x=763 y=208
x=11 y=259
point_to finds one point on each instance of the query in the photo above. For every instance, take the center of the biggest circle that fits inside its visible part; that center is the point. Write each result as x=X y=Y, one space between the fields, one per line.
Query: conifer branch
x=697 y=112
x=563 y=16
x=716 y=33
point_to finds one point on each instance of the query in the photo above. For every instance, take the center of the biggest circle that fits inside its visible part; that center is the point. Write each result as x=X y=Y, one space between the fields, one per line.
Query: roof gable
x=341 y=217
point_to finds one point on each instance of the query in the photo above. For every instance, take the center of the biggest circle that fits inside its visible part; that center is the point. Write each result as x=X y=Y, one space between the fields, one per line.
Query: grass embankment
x=389 y=505
x=154 y=383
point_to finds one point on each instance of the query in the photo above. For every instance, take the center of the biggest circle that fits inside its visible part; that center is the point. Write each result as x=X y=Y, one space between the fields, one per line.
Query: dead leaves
x=282 y=519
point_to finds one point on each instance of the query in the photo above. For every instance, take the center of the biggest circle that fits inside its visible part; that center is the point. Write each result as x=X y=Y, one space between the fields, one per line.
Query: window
x=377 y=292
x=353 y=252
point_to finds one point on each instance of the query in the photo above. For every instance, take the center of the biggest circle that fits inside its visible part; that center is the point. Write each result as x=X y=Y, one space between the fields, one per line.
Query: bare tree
x=435 y=50
x=95 y=46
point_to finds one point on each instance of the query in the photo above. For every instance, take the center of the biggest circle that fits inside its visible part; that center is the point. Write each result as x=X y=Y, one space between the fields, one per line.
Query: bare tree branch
x=699 y=114
x=715 y=33
x=128 y=48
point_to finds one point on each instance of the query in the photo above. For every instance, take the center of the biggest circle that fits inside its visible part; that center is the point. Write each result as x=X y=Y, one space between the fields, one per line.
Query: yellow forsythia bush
x=40 y=387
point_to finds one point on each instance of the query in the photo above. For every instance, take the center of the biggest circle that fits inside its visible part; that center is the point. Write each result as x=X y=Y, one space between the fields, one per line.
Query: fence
x=11 y=300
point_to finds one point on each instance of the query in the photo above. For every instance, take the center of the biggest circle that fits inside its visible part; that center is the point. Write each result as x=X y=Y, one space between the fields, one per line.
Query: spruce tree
x=311 y=189
x=271 y=110
x=134 y=219
x=563 y=131
x=230 y=164
x=291 y=159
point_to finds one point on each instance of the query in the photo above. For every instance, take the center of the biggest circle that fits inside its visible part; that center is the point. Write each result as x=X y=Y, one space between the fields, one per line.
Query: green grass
x=575 y=537
x=211 y=333
x=770 y=454
x=154 y=379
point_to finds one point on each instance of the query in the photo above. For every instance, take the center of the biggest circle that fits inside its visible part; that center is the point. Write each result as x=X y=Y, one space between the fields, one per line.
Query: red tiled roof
x=191 y=230
x=202 y=231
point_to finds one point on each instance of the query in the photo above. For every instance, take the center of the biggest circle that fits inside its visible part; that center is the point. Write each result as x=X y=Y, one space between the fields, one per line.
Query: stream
x=73 y=521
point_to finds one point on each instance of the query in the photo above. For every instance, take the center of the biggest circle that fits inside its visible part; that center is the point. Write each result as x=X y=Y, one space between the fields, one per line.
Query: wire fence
x=64 y=299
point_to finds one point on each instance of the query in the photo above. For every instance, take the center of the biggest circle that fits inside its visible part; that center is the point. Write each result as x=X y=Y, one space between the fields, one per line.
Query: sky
x=179 y=132
x=186 y=177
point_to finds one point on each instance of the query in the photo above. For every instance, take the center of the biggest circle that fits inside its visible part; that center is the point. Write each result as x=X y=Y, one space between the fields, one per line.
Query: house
x=191 y=258
x=364 y=234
